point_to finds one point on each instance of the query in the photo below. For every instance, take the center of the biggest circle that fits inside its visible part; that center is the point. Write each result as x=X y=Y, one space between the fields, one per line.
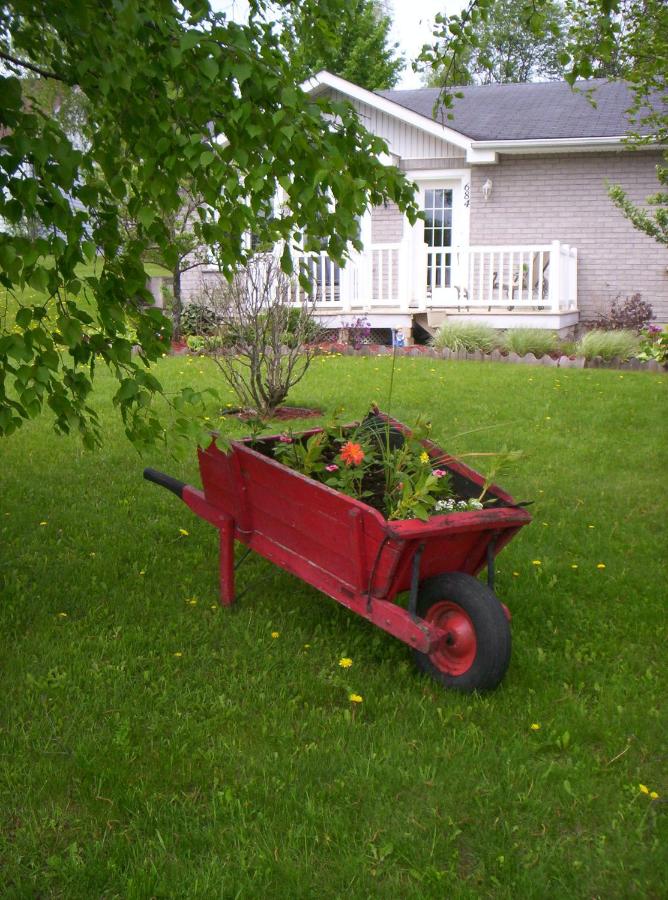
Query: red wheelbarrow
x=458 y=629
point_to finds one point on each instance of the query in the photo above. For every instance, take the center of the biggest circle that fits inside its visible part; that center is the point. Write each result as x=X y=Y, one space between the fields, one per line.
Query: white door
x=444 y=231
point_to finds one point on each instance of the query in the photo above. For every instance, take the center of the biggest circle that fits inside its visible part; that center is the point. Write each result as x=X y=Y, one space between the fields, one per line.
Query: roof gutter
x=552 y=145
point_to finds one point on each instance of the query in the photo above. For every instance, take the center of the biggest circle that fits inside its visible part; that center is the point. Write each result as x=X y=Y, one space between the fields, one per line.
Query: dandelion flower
x=643 y=789
x=62 y=615
x=213 y=606
x=355 y=698
x=178 y=653
x=276 y=634
x=600 y=566
x=516 y=574
x=43 y=523
x=654 y=795
x=574 y=565
x=143 y=572
x=307 y=646
x=536 y=562
x=184 y=532
x=535 y=726
x=346 y=662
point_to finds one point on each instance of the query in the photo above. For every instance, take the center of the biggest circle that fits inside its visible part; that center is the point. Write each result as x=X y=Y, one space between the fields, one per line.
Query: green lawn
x=153 y=745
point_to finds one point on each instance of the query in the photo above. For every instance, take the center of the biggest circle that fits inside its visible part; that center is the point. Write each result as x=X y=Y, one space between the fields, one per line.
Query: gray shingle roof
x=510 y=112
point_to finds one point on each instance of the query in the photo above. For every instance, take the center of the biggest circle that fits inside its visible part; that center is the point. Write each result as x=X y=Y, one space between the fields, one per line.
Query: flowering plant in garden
x=374 y=462
x=654 y=344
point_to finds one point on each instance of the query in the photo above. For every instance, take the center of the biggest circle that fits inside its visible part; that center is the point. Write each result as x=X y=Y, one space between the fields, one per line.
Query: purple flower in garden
x=285 y=439
x=332 y=468
x=439 y=473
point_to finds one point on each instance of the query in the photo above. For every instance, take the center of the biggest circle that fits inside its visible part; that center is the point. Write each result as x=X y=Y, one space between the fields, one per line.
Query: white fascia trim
x=324 y=80
x=437 y=174
x=548 y=145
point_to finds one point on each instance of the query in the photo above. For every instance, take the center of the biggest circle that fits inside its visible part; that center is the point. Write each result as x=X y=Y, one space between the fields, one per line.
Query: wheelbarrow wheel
x=476 y=653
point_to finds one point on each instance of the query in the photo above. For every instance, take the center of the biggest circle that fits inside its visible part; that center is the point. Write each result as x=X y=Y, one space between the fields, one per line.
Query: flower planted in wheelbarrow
x=372 y=462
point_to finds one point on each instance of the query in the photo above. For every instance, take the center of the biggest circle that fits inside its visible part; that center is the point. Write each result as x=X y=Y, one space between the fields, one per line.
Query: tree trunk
x=176 y=304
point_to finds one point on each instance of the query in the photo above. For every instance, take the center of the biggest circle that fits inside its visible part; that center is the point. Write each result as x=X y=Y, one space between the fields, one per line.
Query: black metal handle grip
x=166 y=481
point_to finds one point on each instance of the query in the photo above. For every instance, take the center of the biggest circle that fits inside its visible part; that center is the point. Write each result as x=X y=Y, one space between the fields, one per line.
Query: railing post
x=555 y=276
x=573 y=279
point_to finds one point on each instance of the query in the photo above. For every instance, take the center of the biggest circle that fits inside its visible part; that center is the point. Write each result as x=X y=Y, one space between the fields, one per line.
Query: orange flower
x=352 y=454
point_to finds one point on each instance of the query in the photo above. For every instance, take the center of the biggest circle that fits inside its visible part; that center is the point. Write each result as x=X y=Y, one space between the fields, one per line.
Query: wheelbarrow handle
x=166 y=481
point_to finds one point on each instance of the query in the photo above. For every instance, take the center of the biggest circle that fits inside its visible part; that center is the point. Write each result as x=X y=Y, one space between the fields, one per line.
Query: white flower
x=475 y=504
x=462 y=504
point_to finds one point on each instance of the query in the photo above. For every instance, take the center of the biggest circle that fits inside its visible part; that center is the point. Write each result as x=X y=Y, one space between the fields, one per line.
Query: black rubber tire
x=492 y=631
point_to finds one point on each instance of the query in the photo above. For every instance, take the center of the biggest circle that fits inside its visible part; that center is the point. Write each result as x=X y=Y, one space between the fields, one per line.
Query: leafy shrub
x=469 y=336
x=198 y=318
x=608 y=344
x=654 y=345
x=632 y=313
x=531 y=340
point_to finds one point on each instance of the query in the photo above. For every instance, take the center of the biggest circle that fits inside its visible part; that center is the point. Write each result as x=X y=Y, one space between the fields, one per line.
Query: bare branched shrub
x=263 y=342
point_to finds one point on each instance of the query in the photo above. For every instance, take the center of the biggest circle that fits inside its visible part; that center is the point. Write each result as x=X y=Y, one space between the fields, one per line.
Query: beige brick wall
x=563 y=197
x=387 y=224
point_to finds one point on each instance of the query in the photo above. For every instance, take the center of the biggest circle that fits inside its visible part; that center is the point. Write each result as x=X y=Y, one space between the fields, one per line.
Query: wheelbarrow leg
x=227 y=562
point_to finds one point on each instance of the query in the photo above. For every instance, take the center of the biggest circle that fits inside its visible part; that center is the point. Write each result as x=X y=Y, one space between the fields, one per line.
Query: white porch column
x=554 y=294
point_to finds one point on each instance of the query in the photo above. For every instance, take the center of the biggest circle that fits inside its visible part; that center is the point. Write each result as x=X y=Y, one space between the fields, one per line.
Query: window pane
x=429 y=199
x=428 y=218
x=429 y=236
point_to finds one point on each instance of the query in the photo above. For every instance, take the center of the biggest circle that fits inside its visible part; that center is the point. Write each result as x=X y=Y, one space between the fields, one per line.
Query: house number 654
x=467 y=195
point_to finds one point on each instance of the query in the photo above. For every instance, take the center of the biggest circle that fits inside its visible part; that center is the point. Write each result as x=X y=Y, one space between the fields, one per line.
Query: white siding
x=404 y=140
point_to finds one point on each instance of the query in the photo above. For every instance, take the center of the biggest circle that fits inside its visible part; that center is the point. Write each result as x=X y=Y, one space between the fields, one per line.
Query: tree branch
x=45 y=73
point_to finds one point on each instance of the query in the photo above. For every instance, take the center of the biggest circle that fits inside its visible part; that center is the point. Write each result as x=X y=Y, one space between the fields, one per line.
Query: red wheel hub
x=456 y=652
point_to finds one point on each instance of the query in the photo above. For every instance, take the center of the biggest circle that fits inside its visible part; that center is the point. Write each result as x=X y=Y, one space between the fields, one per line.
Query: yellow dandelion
x=536 y=562
x=213 y=606
x=307 y=646
x=654 y=795
x=191 y=601
x=574 y=565
x=43 y=523
x=184 y=532
x=535 y=726
x=178 y=653
x=600 y=566
x=276 y=634
x=516 y=574
x=643 y=789
x=345 y=662
x=62 y=615
x=355 y=698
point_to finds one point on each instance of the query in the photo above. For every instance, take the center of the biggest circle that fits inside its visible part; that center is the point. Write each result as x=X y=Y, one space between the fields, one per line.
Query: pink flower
x=285 y=439
x=439 y=473
x=332 y=468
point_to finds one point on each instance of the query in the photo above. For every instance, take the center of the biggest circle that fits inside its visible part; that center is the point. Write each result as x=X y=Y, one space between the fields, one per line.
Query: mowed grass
x=154 y=745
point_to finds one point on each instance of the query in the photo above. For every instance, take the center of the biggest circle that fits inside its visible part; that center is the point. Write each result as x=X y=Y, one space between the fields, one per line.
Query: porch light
x=487 y=189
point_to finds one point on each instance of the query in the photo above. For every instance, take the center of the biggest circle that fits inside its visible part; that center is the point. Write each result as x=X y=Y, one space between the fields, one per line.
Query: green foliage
x=469 y=336
x=651 y=219
x=199 y=319
x=354 y=43
x=654 y=345
x=608 y=344
x=507 y=47
x=530 y=340
x=162 y=84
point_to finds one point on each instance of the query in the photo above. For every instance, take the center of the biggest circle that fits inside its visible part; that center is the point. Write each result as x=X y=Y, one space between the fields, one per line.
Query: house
x=518 y=228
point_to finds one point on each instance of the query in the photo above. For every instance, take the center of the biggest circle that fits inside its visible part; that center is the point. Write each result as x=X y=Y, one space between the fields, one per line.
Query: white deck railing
x=519 y=276
x=527 y=276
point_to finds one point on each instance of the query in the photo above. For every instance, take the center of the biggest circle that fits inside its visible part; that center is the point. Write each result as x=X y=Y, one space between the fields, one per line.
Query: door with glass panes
x=437 y=206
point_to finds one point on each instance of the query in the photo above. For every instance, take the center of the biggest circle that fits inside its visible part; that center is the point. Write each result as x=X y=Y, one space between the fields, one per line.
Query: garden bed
x=555 y=360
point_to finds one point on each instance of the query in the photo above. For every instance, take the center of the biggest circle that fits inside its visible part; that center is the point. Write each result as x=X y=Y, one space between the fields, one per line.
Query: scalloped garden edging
x=557 y=362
